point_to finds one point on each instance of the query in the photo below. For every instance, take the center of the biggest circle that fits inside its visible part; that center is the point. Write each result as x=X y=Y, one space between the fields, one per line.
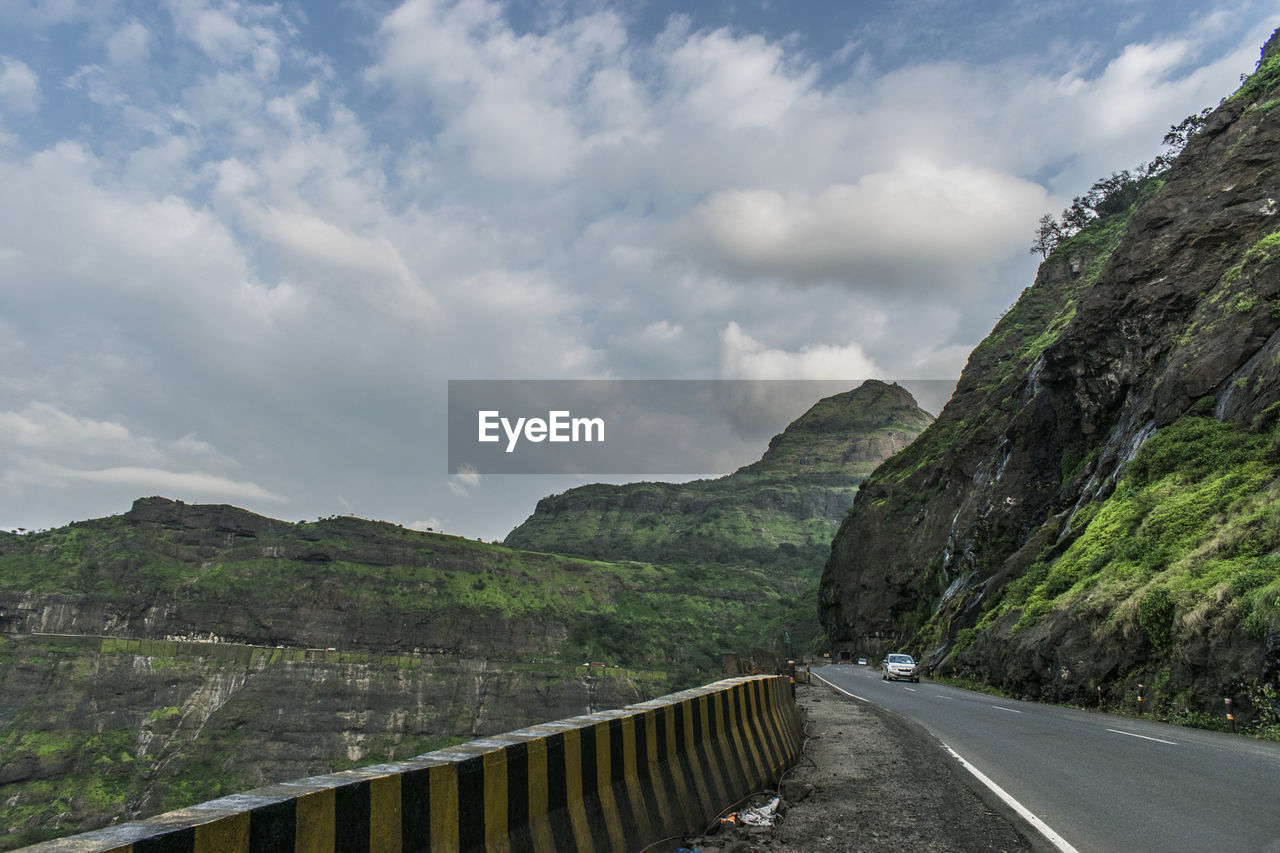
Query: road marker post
x=1231 y=717
x=1140 y=689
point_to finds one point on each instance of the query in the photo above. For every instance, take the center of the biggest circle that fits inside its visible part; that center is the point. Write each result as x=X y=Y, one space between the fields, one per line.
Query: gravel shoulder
x=868 y=781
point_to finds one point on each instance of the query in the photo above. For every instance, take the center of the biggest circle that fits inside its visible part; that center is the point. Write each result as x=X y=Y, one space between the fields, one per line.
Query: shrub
x=1155 y=616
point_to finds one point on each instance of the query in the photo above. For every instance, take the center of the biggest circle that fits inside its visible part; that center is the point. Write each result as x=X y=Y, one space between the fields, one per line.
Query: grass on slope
x=676 y=618
x=1191 y=533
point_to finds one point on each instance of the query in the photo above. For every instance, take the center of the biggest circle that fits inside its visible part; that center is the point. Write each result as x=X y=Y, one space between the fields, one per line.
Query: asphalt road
x=1100 y=782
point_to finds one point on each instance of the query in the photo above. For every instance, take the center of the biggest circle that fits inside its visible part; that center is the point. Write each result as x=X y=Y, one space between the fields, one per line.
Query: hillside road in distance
x=1100 y=782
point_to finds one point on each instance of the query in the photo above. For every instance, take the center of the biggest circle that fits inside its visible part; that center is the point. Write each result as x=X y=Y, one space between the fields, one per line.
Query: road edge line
x=1043 y=828
x=1019 y=809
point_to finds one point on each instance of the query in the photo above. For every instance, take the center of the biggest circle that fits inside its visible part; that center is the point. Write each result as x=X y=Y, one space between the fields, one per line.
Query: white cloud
x=743 y=357
x=904 y=226
x=662 y=332
x=464 y=480
x=19 y=86
x=42 y=433
x=129 y=45
x=41 y=14
x=735 y=83
x=265 y=246
x=44 y=448
x=316 y=244
x=42 y=426
x=509 y=103
x=214 y=28
x=197 y=485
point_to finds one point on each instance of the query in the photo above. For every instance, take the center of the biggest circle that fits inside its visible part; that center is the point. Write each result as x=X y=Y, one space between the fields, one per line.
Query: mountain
x=178 y=652
x=780 y=511
x=766 y=528
x=1096 y=506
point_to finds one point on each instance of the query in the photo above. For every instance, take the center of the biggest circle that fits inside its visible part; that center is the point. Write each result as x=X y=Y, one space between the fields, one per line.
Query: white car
x=897 y=666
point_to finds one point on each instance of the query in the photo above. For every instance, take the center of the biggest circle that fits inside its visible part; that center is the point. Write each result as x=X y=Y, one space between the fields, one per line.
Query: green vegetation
x=382 y=748
x=755 y=541
x=678 y=618
x=1191 y=533
x=774 y=513
x=90 y=747
x=970 y=684
x=95 y=772
x=1264 y=78
x=698 y=523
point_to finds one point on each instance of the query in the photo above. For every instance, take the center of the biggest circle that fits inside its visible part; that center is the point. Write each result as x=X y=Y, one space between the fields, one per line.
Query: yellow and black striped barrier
x=614 y=781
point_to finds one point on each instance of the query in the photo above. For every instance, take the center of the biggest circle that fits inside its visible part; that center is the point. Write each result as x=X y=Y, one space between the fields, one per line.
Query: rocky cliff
x=780 y=511
x=97 y=730
x=1096 y=505
x=177 y=652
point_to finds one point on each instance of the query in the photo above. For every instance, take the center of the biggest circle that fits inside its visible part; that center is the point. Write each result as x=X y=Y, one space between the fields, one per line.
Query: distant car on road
x=898 y=666
x=862 y=661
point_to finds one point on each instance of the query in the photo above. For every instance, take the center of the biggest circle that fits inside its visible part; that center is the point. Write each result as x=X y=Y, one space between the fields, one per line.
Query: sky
x=244 y=246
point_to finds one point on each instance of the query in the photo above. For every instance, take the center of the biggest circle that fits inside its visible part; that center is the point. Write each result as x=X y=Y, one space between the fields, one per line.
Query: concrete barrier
x=613 y=781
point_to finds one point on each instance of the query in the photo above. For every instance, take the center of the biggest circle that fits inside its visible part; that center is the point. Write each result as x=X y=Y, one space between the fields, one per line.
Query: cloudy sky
x=243 y=246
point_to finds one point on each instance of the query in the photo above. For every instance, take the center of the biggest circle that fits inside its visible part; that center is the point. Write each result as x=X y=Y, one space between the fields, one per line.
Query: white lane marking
x=1010 y=710
x=1144 y=737
x=1043 y=828
x=912 y=689
x=841 y=689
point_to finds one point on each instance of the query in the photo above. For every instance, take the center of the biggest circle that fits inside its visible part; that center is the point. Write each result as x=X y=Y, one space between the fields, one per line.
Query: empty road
x=1100 y=782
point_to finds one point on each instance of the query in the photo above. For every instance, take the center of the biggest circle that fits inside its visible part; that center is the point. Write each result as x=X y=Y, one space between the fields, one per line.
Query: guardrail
x=616 y=781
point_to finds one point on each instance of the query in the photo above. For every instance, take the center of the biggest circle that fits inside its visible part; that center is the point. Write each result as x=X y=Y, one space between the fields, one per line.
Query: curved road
x=1100 y=782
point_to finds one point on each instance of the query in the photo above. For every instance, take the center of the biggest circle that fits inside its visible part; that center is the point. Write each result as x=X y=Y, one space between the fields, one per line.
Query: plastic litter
x=762 y=815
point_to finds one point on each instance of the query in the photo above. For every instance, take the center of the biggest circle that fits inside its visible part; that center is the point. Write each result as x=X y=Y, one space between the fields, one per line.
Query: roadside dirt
x=867 y=782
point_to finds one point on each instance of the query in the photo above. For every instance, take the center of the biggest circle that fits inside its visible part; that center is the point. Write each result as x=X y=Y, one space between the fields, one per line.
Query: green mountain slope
x=779 y=512
x=178 y=652
x=1096 y=507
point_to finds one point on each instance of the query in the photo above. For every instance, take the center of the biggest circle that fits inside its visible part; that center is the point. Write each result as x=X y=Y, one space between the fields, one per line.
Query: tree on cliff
x=1048 y=236
x=1116 y=193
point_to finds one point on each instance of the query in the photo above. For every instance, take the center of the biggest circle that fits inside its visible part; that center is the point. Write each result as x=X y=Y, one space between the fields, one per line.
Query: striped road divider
x=613 y=781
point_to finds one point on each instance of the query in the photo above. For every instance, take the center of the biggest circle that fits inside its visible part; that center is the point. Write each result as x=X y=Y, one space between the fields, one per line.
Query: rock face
x=1126 y=404
x=179 y=652
x=779 y=510
x=94 y=731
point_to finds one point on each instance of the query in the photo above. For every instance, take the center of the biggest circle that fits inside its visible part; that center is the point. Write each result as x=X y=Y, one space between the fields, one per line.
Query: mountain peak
x=784 y=506
x=844 y=431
